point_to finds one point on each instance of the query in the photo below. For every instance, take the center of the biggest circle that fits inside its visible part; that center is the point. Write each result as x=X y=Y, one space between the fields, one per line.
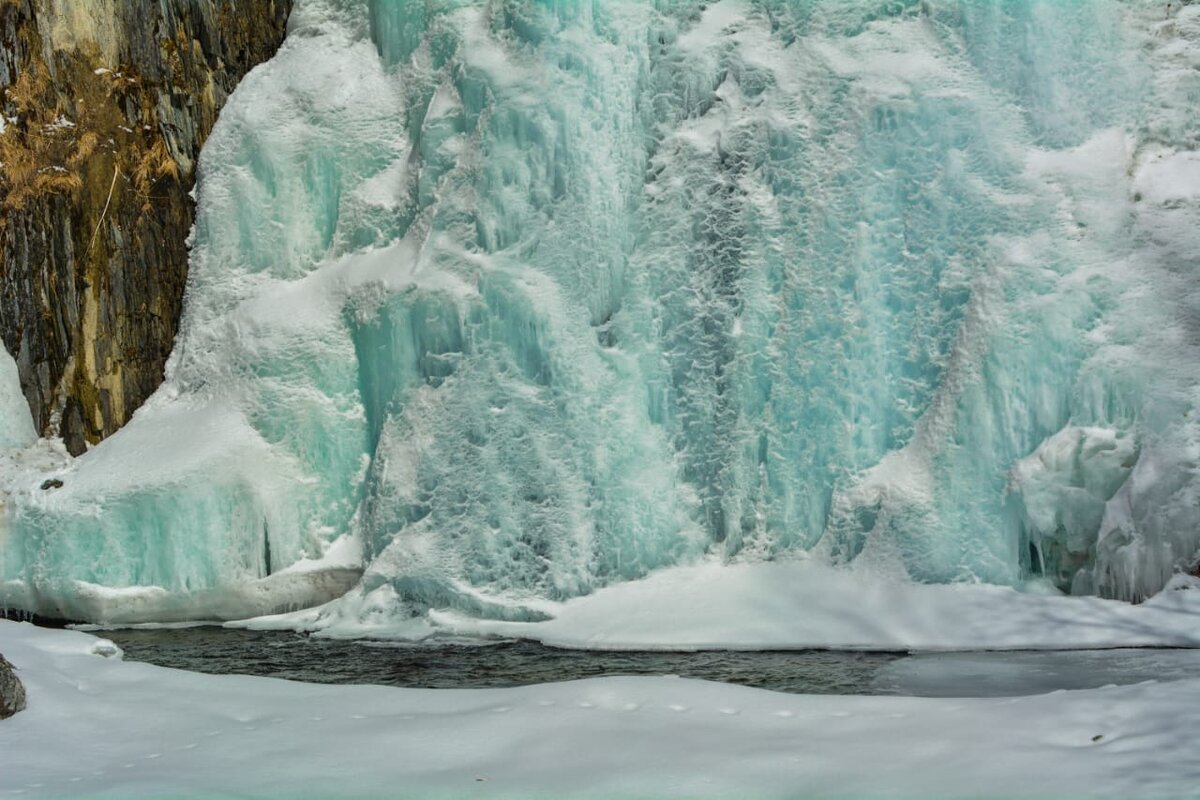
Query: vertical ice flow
x=523 y=298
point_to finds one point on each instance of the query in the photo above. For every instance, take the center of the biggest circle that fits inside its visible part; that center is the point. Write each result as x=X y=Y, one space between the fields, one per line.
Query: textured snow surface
x=530 y=299
x=793 y=605
x=97 y=726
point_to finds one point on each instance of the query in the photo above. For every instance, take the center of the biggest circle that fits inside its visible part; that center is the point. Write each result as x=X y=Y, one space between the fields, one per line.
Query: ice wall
x=516 y=299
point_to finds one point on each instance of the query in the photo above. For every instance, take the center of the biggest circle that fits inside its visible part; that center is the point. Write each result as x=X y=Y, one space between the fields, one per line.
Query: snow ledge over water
x=136 y=729
x=795 y=604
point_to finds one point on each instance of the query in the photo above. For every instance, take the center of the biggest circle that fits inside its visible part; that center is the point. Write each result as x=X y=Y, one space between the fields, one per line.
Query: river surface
x=473 y=664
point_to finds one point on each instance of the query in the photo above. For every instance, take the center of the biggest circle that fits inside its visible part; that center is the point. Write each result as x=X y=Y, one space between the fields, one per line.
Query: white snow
x=98 y=726
x=1170 y=177
x=16 y=426
x=793 y=604
x=805 y=604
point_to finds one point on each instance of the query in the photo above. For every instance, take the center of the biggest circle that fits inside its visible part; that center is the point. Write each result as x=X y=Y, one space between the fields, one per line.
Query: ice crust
x=524 y=300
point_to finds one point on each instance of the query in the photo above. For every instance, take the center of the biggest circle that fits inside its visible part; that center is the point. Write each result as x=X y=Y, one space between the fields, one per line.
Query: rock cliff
x=106 y=105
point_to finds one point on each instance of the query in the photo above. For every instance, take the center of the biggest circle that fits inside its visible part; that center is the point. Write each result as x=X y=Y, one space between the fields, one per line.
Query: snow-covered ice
x=792 y=605
x=99 y=727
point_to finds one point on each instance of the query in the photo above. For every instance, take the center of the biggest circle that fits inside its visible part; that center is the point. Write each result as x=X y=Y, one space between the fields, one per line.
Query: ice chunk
x=1061 y=492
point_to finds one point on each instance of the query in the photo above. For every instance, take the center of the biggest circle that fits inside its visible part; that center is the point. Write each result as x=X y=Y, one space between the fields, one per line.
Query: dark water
x=477 y=665
x=518 y=663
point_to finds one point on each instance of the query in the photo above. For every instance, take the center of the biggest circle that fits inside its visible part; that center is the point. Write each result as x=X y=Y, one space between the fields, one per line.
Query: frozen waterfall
x=506 y=301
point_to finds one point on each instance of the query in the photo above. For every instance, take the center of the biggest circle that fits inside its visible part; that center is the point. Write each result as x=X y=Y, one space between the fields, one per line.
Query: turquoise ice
x=507 y=301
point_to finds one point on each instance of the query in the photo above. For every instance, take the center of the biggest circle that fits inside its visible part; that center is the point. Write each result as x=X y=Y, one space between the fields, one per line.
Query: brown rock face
x=107 y=104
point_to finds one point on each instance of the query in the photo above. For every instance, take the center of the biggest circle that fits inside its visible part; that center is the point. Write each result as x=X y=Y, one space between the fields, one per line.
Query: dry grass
x=44 y=151
x=41 y=151
x=155 y=163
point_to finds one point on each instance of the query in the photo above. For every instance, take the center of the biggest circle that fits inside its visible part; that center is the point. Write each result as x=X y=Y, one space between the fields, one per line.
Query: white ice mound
x=798 y=605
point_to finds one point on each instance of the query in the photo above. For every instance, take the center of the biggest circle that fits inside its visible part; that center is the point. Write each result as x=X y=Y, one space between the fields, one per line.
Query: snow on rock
x=12 y=693
x=16 y=426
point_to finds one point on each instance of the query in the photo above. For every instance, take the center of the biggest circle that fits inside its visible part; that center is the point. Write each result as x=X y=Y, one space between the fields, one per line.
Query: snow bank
x=792 y=605
x=802 y=604
x=136 y=729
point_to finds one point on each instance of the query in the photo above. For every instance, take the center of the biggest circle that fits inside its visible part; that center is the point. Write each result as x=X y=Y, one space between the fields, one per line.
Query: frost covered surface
x=143 y=730
x=532 y=299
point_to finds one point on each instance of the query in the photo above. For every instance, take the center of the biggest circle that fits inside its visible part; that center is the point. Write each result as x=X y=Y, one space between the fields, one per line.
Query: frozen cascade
x=504 y=301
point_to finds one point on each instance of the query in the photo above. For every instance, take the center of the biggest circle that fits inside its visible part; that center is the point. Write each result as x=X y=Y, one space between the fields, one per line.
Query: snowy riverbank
x=98 y=726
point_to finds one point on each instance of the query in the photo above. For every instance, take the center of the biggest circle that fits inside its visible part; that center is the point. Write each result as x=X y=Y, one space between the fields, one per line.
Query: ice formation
x=507 y=301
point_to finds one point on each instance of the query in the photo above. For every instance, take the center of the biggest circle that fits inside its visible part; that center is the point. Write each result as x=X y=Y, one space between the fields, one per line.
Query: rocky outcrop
x=12 y=693
x=106 y=105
